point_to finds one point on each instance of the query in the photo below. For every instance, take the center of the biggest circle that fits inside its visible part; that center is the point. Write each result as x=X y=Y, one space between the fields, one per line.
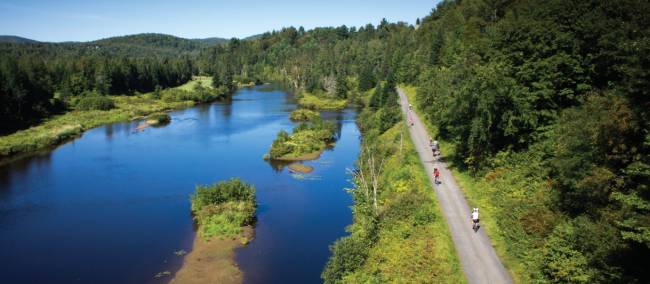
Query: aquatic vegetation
x=162 y=274
x=158 y=118
x=301 y=168
x=301 y=176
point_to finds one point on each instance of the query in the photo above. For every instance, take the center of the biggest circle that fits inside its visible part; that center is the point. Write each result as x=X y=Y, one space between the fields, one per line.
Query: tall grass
x=60 y=128
x=311 y=101
x=221 y=209
x=407 y=239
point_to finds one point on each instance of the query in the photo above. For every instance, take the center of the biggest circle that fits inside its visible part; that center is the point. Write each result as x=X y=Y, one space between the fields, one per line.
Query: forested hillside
x=544 y=102
x=542 y=106
x=37 y=78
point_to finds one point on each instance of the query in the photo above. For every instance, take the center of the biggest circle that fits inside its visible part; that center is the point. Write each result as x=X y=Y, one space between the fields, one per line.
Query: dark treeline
x=37 y=78
x=545 y=102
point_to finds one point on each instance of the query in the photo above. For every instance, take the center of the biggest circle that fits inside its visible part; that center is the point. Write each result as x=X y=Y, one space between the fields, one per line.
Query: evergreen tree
x=216 y=80
x=341 y=87
x=366 y=78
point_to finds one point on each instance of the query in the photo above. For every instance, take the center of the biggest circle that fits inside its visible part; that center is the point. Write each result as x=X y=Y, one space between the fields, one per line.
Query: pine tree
x=366 y=78
x=376 y=100
x=341 y=87
x=216 y=80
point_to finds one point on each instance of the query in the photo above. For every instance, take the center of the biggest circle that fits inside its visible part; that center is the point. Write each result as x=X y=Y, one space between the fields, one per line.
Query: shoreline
x=53 y=132
x=213 y=260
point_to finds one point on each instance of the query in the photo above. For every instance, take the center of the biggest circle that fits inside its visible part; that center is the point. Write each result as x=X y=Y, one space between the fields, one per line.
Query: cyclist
x=434 y=147
x=475 y=218
x=436 y=176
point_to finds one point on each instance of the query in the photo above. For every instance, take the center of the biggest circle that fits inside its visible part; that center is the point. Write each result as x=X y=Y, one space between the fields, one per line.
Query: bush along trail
x=398 y=232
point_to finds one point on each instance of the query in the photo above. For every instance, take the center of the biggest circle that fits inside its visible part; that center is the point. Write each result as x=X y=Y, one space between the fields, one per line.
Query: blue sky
x=77 y=20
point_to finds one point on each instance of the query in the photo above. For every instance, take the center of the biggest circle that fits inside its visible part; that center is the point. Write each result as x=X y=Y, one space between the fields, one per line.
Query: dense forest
x=544 y=106
x=36 y=78
x=545 y=103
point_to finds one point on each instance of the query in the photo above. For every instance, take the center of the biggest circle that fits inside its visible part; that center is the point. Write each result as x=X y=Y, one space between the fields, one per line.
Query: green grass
x=306 y=142
x=223 y=208
x=204 y=81
x=59 y=128
x=413 y=243
x=303 y=115
x=314 y=102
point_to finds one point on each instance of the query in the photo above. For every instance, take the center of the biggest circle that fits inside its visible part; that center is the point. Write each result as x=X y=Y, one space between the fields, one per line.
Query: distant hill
x=150 y=40
x=253 y=37
x=138 y=45
x=15 y=39
x=211 y=40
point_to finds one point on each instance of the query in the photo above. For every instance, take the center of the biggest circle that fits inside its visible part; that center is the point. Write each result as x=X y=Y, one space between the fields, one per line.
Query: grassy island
x=307 y=141
x=224 y=212
x=303 y=115
x=158 y=118
x=223 y=208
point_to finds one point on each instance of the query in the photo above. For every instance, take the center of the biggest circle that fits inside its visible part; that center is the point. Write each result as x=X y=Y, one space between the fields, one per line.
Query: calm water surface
x=113 y=206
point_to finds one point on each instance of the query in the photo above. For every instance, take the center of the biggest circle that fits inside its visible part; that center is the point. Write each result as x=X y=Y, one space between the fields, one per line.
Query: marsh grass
x=303 y=115
x=307 y=141
x=60 y=128
x=313 y=102
x=223 y=208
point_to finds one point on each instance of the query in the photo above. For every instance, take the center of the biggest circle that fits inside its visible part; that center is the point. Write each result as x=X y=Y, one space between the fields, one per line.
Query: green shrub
x=221 y=192
x=307 y=138
x=158 y=118
x=348 y=254
x=198 y=94
x=95 y=103
x=221 y=209
x=303 y=115
x=321 y=103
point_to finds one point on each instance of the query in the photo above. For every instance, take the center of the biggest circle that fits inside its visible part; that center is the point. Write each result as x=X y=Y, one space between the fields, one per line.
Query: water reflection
x=112 y=206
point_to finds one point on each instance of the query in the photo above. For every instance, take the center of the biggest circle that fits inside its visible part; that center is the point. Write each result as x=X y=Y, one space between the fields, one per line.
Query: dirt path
x=477 y=256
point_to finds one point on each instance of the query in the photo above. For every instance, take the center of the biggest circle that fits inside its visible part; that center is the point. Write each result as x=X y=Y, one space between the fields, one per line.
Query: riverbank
x=212 y=261
x=313 y=102
x=398 y=231
x=61 y=128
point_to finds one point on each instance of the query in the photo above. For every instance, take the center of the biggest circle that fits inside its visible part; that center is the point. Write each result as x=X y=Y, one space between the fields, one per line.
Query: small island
x=158 y=118
x=302 y=114
x=224 y=212
x=306 y=142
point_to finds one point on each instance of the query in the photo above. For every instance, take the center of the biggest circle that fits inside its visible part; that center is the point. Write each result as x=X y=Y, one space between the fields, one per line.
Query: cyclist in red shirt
x=436 y=175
